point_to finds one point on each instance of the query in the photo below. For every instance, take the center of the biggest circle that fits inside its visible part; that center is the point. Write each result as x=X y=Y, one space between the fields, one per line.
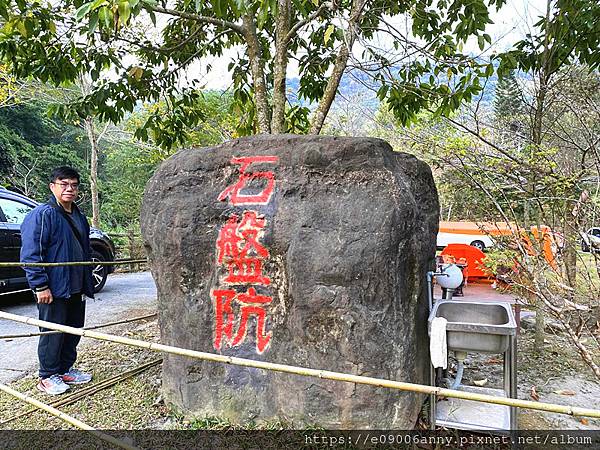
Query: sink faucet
x=430 y=276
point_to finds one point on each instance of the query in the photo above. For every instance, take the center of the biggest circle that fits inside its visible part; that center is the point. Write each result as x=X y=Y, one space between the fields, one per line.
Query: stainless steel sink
x=476 y=326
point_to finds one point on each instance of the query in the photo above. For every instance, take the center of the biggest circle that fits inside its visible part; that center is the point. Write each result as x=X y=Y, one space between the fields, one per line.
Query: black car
x=591 y=240
x=13 y=209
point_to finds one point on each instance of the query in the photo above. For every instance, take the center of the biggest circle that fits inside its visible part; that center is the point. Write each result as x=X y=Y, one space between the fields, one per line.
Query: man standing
x=57 y=231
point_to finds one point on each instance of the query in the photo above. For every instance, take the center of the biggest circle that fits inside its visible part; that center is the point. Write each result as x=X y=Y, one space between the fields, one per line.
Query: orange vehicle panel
x=473 y=257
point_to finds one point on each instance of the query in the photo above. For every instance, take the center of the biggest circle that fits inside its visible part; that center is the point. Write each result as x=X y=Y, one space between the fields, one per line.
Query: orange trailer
x=465 y=231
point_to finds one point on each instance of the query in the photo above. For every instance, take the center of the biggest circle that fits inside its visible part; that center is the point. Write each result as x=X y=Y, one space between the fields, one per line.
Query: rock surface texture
x=307 y=251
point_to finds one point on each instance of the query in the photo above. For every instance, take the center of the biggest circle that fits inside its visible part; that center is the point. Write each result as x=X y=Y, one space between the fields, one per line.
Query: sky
x=514 y=20
x=510 y=24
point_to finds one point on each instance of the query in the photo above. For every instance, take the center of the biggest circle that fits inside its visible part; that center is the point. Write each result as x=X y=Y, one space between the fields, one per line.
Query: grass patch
x=130 y=404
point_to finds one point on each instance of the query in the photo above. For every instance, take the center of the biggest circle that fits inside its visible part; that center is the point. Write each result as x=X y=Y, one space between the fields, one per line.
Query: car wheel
x=99 y=272
x=478 y=244
x=584 y=247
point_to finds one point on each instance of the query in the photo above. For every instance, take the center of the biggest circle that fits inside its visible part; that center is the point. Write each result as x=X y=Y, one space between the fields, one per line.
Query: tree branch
x=204 y=19
x=294 y=30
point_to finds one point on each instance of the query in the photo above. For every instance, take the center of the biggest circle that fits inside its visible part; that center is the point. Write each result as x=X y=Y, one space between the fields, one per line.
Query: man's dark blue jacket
x=46 y=236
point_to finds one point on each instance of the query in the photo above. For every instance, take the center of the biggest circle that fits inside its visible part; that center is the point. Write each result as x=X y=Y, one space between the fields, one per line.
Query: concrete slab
x=472 y=415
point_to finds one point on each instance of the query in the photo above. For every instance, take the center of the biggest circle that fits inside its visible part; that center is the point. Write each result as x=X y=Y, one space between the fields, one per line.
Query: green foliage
x=9 y=88
x=500 y=261
x=129 y=165
x=508 y=101
x=33 y=144
x=446 y=88
x=447 y=78
x=127 y=169
x=169 y=130
x=459 y=200
x=570 y=33
x=11 y=145
x=441 y=146
x=219 y=123
x=5 y=159
x=202 y=28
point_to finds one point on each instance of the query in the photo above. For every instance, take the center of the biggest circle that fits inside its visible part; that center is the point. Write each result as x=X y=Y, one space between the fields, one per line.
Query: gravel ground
x=131 y=404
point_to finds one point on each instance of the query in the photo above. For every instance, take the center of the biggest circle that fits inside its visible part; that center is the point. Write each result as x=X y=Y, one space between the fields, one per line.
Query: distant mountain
x=357 y=85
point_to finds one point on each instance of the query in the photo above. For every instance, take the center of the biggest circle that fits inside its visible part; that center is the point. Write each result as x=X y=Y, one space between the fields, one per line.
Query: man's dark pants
x=57 y=352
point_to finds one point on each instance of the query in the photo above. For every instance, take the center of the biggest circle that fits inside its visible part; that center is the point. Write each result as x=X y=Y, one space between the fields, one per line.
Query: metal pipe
x=430 y=276
x=447 y=293
x=512 y=353
x=432 y=376
x=430 y=289
x=459 y=374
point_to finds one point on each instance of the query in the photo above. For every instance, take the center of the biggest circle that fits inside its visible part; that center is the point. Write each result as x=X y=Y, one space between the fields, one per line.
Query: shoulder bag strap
x=70 y=222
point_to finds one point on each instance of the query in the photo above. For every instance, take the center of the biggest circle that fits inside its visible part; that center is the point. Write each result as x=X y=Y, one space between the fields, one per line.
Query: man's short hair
x=64 y=172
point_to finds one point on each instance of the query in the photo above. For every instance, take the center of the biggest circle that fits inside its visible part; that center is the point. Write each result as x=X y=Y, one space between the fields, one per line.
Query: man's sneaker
x=53 y=385
x=74 y=376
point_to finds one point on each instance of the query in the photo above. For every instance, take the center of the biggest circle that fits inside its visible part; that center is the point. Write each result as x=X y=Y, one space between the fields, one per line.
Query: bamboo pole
x=15 y=292
x=95 y=327
x=124 y=235
x=65 y=417
x=323 y=374
x=90 y=390
x=74 y=263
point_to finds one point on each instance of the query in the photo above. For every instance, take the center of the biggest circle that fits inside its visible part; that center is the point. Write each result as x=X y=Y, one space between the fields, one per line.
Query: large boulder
x=307 y=251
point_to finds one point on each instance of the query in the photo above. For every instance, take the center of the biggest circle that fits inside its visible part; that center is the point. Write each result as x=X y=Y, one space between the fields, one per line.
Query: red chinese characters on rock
x=239 y=249
x=241 y=252
x=234 y=191
x=250 y=304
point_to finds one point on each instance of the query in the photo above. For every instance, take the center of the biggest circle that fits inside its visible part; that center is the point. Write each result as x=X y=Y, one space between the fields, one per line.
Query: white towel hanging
x=438 y=348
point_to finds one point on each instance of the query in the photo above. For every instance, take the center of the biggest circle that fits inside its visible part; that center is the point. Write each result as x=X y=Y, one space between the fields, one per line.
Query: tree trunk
x=330 y=91
x=537 y=142
x=338 y=69
x=258 y=75
x=570 y=248
x=280 y=69
x=93 y=138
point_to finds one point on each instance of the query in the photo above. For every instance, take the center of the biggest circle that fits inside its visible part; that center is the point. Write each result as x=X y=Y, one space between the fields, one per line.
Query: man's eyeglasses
x=64 y=186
